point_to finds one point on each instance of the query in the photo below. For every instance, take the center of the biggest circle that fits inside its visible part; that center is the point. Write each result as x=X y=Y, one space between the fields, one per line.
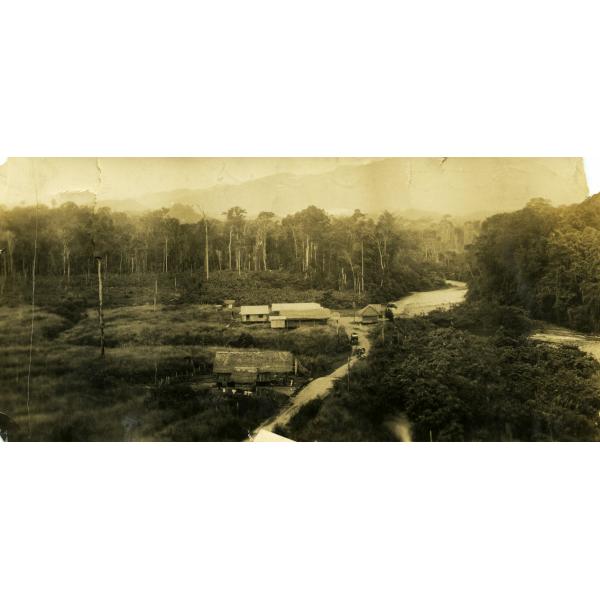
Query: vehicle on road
x=360 y=352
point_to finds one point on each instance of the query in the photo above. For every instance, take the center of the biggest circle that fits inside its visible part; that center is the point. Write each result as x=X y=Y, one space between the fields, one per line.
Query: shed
x=277 y=322
x=229 y=303
x=254 y=314
x=370 y=313
x=251 y=367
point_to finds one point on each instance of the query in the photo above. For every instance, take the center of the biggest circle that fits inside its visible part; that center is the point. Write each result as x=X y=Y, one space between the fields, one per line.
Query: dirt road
x=418 y=303
x=322 y=385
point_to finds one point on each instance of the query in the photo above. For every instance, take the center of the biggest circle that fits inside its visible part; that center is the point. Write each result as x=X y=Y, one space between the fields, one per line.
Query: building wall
x=369 y=319
x=293 y=323
x=255 y=318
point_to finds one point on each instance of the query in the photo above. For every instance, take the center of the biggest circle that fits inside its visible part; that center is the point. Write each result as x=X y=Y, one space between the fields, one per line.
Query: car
x=354 y=339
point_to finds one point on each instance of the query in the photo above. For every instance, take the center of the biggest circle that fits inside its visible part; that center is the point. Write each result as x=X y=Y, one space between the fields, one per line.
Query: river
x=421 y=303
x=417 y=303
x=561 y=335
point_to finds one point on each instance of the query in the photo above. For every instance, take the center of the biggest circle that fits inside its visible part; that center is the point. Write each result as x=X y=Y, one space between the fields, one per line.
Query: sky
x=131 y=177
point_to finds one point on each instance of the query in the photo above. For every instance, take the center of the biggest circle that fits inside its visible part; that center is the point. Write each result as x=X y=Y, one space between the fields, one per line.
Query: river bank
x=415 y=304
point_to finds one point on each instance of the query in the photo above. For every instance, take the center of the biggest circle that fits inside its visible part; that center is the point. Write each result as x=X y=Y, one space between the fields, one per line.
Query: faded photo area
x=299 y=299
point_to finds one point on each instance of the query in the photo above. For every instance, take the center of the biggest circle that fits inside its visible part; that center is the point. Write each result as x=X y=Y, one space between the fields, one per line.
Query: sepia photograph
x=299 y=300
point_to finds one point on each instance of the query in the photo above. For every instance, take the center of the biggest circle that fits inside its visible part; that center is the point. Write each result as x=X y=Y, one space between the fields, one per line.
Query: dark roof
x=263 y=361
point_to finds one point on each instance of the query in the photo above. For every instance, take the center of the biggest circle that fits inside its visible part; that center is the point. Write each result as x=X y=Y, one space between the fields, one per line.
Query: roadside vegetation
x=468 y=374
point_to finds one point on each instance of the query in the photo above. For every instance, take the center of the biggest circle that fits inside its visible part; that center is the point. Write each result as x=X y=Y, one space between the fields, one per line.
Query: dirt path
x=418 y=303
x=322 y=385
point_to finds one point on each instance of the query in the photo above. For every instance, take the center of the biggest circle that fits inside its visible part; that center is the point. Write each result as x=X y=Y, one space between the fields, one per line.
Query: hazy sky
x=118 y=178
x=129 y=177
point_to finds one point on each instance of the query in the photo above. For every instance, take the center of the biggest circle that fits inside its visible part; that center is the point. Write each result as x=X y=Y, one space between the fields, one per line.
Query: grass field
x=76 y=395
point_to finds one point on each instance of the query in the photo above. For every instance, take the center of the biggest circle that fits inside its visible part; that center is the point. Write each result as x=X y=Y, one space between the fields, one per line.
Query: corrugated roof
x=264 y=361
x=254 y=310
x=285 y=306
x=315 y=313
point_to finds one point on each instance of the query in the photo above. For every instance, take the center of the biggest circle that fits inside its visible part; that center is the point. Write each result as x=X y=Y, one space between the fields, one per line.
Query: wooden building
x=371 y=314
x=229 y=303
x=281 y=308
x=246 y=369
x=297 y=318
x=254 y=314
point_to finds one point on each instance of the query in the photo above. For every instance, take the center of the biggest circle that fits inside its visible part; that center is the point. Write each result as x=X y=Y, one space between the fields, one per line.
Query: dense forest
x=376 y=258
x=544 y=259
x=473 y=373
x=469 y=374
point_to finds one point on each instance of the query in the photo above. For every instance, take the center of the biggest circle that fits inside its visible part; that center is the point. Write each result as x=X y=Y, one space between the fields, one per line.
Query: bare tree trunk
x=100 y=307
x=265 y=251
x=155 y=292
x=166 y=265
x=206 y=248
x=307 y=251
x=295 y=244
x=362 y=267
x=230 y=236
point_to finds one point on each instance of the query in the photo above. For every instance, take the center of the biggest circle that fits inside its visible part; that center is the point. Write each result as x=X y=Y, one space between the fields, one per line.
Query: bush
x=244 y=340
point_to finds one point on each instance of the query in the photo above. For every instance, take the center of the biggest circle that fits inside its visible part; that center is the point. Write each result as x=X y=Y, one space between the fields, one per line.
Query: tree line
x=544 y=259
x=341 y=252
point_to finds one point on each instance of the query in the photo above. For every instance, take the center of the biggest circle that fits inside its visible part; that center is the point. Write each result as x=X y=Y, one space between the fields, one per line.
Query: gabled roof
x=285 y=306
x=371 y=309
x=254 y=310
x=315 y=313
x=261 y=361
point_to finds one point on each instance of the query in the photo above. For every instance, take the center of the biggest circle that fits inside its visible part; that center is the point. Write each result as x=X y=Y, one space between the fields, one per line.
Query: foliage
x=456 y=377
x=544 y=259
x=358 y=256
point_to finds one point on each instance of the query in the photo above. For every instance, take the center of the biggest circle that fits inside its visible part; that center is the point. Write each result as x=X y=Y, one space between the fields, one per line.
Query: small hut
x=249 y=368
x=229 y=303
x=370 y=314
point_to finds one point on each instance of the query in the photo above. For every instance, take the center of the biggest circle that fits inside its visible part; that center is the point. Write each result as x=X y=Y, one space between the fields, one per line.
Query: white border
x=462 y=78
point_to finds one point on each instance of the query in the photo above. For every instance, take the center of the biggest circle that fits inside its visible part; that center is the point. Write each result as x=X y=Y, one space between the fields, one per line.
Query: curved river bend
x=416 y=304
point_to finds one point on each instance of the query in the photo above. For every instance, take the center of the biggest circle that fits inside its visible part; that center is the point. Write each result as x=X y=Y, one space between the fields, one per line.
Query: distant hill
x=417 y=186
